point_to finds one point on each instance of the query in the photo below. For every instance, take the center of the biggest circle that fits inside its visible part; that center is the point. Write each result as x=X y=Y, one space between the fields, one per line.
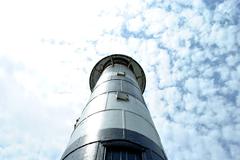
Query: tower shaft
x=116 y=123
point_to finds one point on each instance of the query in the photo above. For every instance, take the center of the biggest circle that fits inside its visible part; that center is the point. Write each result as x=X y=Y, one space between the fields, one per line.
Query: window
x=122 y=154
x=120 y=73
x=122 y=96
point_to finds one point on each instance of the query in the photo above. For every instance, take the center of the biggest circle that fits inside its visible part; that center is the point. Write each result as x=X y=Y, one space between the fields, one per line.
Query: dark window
x=116 y=155
x=120 y=73
x=122 y=154
x=122 y=96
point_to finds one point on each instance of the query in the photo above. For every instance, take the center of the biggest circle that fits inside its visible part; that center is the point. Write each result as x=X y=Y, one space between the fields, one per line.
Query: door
x=119 y=153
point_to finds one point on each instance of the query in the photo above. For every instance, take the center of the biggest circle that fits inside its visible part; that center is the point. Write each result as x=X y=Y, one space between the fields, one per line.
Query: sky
x=189 y=50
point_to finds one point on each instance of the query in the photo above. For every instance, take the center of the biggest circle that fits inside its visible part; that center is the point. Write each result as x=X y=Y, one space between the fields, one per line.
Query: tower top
x=118 y=59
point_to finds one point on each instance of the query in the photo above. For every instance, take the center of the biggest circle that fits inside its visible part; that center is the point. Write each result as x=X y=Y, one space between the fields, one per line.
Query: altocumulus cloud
x=190 y=52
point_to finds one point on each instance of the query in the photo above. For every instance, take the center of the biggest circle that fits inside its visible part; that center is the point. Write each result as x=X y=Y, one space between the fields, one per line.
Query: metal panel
x=123 y=68
x=114 y=85
x=133 y=82
x=138 y=124
x=84 y=153
x=117 y=85
x=114 y=77
x=112 y=71
x=119 y=68
x=140 y=104
x=96 y=105
x=128 y=87
x=94 y=123
x=104 y=77
x=133 y=105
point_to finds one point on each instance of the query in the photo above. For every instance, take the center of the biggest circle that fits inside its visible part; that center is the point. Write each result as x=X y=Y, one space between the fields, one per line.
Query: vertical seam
x=106 y=101
x=124 y=122
x=97 y=151
x=121 y=85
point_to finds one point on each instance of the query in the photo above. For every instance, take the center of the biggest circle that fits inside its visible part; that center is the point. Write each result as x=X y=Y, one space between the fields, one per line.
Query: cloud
x=189 y=52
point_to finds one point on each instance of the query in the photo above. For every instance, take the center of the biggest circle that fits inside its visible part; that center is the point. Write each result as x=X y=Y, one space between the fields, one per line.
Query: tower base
x=114 y=144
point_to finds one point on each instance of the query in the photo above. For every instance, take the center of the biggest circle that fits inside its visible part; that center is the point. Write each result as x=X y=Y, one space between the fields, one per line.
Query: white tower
x=116 y=123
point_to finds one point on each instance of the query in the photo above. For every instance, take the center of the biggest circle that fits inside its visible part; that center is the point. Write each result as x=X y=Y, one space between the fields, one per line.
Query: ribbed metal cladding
x=115 y=116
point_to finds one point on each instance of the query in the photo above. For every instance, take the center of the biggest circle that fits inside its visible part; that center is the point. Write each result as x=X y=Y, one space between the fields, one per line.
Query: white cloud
x=224 y=72
x=232 y=60
x=135 y=24
x=154 y=17
x=231 y=136
x=192 y=85
x=49 y=48
x=238 y=38
x=234 y=149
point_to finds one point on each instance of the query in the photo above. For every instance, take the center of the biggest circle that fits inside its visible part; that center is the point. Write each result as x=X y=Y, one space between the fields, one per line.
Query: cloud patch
x=189 y=52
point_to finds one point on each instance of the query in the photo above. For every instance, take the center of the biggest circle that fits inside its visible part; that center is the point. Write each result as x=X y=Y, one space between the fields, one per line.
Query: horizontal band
x=136 y=114
x=112 y=77
x=117 y=86
x=115 y=134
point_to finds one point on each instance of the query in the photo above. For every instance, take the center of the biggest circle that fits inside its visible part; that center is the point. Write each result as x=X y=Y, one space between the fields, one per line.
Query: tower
x=116 y=123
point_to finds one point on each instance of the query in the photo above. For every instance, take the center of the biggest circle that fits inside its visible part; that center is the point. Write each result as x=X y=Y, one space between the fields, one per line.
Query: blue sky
x=190 y=52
